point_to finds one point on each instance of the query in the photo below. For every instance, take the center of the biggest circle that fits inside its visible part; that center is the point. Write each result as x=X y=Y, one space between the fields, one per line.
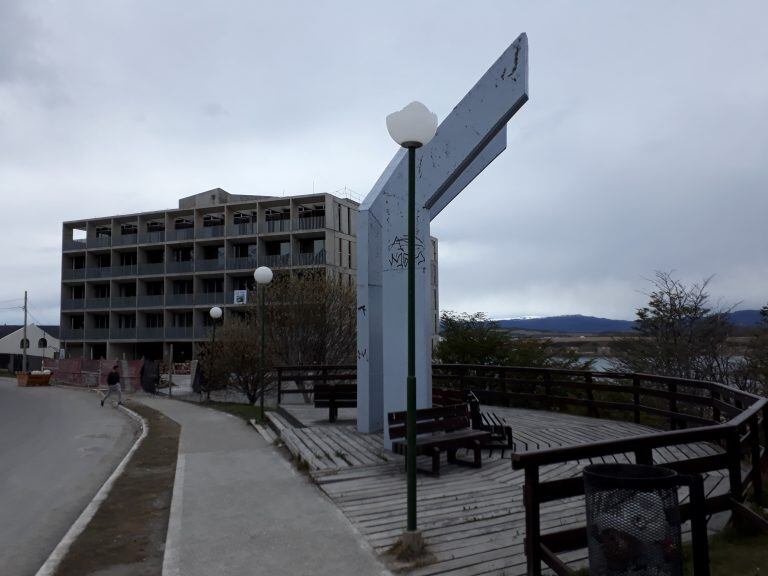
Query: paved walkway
x=239 y=508
x=57 y=447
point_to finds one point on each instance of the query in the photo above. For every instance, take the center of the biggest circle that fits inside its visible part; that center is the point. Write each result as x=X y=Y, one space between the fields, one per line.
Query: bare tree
x=311 y=320
x=234 y=359
x=755 y=367
x=679 y=334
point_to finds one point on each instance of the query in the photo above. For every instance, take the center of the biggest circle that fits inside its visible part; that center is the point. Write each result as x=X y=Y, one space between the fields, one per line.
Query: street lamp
x=263 y=276
x=412 y=127
x=215 y=314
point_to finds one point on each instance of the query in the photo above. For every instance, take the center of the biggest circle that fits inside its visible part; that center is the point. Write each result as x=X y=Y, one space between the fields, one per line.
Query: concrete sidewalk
x=239 y=508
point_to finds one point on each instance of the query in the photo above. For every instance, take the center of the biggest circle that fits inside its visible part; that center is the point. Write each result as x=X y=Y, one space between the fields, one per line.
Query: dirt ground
x=127 y=534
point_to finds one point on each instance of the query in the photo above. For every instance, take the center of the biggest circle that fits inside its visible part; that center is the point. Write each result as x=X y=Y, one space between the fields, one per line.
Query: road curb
x=54 y=560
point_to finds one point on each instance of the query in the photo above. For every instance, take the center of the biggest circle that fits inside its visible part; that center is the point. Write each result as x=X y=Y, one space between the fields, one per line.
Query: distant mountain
x=576 y=323
x=571 y=323
x=745 y=317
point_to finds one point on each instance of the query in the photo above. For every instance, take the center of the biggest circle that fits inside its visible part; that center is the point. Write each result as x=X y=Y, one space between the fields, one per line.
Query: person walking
x=113 y=381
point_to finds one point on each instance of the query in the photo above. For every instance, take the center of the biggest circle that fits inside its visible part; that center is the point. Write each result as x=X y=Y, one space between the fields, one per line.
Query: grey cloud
x=642 y=147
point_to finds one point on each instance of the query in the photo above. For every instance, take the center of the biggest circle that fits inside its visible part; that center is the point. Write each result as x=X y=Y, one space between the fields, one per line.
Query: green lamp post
x=412 y=127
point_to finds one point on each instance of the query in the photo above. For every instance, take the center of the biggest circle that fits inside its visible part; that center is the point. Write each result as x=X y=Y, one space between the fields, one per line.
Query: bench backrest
x=428 y=420
x=448 y=396
x=335 y=391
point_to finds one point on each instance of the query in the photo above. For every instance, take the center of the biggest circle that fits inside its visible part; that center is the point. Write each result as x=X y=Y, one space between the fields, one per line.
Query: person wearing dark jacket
x=113 y=381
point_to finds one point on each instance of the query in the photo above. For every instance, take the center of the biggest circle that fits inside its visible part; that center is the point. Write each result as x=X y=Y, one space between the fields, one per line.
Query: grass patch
x=734 y=551
x=245 y=411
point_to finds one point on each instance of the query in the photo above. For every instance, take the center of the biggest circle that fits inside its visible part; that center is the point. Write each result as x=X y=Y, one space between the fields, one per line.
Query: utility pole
x=24 y=337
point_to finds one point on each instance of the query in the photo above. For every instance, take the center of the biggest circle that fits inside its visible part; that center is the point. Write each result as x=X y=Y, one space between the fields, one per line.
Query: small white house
x=42 y=342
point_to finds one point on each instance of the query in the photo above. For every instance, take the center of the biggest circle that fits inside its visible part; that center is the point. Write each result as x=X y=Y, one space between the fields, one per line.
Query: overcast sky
x=644 y=145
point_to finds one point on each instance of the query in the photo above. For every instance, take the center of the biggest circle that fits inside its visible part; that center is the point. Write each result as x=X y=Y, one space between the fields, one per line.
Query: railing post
x=733 y=451
x=765 y=429
x=279 y=385
x=672 y=389
x=532 y=521
x=503 y=376
x=547 y=390
x=644 y=456
x=591 y=410
x=636 y=396
x=715 y=395
x=756 y=473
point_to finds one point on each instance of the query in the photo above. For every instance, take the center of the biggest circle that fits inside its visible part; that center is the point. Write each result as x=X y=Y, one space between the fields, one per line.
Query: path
x=240 y=508
x=473 y=520
x=57 y=447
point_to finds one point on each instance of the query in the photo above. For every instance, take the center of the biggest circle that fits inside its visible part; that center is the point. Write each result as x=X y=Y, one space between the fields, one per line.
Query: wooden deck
x=472 y=520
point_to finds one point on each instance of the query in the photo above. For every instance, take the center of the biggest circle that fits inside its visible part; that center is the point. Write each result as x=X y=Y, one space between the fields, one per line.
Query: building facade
x=42 y=342
x=139 y=285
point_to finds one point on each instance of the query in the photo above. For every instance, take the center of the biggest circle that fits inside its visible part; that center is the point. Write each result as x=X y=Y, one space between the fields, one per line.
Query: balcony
x=124 y=239
x=173 y=332
x=277 y=261
x=310 y=259
x=99 y=242
x=152 y=269
x=203 y=332
x=244 y=229
x=93 y=303
x=73 y=304
x=70 y=244
x=209 y=265
x=283 y=225
x=127 y=270
x=180 y=267
x=210 y=298
x=72 y=334
x=179 y=300
x=245 y=263
x=155 y=237
x=179 y=234
x=151 y=301
x=210 y=232
x=123 y=333
x=151 y=333
x=97 y=333
x=73 y=274
x=124 y=302
x=99 y=272
x=309 y=222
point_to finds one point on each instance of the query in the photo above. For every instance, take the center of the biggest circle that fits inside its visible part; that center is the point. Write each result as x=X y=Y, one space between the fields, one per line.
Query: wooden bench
x=501 y=432
x=443 y=429
x=335 y=396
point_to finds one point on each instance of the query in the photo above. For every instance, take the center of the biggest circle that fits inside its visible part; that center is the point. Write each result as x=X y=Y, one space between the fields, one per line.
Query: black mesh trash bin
x=633 y=519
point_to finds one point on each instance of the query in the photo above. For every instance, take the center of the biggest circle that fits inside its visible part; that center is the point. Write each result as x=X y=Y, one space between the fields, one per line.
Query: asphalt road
x=57 y=447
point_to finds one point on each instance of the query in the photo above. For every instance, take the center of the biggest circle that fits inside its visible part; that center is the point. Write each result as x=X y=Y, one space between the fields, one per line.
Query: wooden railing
x=305 y=377
x=695 y=411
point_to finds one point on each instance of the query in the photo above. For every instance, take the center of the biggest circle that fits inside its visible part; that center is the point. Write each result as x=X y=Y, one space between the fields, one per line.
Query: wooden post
x=733 y=451
x=279 y=385
x=547 y=390
x=532 y=521
x=636 y=396
x=592 y=409
x=699 y=527
x=715 y=395
x=672 y=389
x=644 y=456
x=765 y=429
x=756 y=473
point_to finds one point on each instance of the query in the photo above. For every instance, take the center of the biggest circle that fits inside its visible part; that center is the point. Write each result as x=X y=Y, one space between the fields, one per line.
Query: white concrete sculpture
x=472 y=135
